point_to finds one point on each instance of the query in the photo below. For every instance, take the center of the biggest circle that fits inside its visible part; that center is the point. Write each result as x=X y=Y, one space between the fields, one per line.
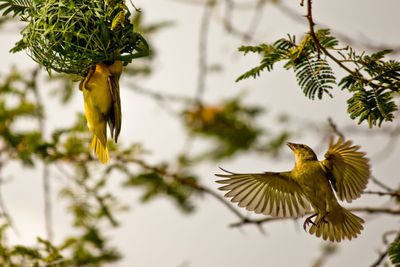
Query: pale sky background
x=157 y=234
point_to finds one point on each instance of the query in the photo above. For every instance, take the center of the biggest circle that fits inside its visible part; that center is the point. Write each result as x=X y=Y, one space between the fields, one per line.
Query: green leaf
x=394 y=252
x=18 y=7
x=254 y=49
x=272 y=54
x=374 y=106
x=254 y=72
x=156 y=185
x=325 y=39
x=381 y=54
x=231 y=125
x=27 y=251
x=315 y=76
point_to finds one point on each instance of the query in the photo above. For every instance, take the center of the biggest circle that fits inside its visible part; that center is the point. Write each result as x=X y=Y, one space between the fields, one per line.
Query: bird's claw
x=321 y=221
x=317 y=223
x=308 y=221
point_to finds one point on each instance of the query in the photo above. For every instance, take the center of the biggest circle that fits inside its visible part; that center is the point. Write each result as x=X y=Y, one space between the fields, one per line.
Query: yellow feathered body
x=333 y=222
x=100 y=90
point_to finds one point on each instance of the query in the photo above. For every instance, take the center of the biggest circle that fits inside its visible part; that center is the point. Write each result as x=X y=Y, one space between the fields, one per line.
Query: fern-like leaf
x=254 y=72
x=372 y=99
x=374 y=106
x=272 y=54
x=315 y=76
x=18 y=7
x=394 y=252
x=325 y=39
x=254 y=49
x=351 y=82
x=285 y=44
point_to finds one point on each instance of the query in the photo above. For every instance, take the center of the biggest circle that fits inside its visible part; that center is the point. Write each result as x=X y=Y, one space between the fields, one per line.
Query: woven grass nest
x=72 y=36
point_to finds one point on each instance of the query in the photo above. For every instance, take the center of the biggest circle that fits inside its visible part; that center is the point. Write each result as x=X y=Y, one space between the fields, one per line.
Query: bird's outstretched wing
x=270 y=193
x=347 y=169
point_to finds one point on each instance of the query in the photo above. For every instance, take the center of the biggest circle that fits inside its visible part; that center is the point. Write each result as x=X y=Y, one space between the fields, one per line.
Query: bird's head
x=302 y=152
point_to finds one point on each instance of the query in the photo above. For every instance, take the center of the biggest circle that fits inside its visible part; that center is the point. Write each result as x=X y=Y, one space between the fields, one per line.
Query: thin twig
x=370 y=45
x=388 y=233
x=45 y=174
x=337 y=61
x=248 y=220
x=376 y=210
x=227 y=18
x=311 y=25
x=379 y=183
x=47 y=203
x=223 y=201
x=395 y=194
x=162 y=99
x=383 y=255
x=328 y=250
x=390 y=146
x=100 y=200
x=185 y=181
x=202 y=61
x=3 y=208
x=352 y=72
x=136 y=9
x=160 y=96
x=335 y=128
x=228 y=15
x=255 y=21
x=243 y=219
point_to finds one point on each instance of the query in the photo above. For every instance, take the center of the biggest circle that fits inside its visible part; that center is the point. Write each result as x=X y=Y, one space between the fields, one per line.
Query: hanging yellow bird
x=100 y=90
x=289 y=194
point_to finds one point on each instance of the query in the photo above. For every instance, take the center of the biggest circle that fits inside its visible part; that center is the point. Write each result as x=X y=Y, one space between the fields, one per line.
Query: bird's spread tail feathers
x=337 y=225
x=100 y=150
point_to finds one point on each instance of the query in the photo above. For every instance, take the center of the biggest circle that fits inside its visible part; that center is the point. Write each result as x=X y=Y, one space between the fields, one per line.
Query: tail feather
x=337 y=225
x=100 y=150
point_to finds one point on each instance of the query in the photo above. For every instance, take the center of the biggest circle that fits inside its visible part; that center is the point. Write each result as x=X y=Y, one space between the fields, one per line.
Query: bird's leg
x=321 y=220
x=308 y=221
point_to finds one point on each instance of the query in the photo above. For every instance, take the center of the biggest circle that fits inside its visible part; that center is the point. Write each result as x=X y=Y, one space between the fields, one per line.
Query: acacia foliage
x=372 y=81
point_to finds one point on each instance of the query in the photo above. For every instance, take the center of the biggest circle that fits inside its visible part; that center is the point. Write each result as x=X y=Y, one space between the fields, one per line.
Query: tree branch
x=395 y=194
x=185 y=181
x=45 y=174
x=353 y=41
x=202 y=61
x=3 y=209
x=100 y=199
x=383 y=254
x=379 y=183
x=47 y=202
x=335 y=128
x=311 y=24
x=248 y=220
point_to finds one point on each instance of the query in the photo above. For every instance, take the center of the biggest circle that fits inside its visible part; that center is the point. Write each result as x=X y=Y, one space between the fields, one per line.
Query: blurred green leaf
x=394 y=252
x=155 y=185
x=230 y=124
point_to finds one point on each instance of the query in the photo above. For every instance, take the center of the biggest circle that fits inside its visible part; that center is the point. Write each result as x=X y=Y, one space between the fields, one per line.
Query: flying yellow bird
x=289 y=194
x=102 y=105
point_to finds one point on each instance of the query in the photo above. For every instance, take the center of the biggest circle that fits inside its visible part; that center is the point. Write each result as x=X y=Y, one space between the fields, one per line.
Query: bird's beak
x=292 y=146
